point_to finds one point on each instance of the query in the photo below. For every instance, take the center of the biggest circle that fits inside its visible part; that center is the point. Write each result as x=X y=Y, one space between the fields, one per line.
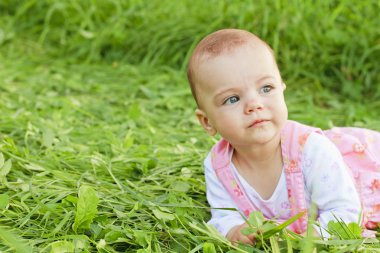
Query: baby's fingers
x=251 y=237
x=243 y=239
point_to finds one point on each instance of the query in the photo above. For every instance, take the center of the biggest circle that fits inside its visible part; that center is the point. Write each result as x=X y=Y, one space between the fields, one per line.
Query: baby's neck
x=261 y=170
x=259 y=156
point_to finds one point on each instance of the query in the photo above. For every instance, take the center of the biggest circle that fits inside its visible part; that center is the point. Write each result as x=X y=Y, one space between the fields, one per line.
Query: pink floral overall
x=359 y=147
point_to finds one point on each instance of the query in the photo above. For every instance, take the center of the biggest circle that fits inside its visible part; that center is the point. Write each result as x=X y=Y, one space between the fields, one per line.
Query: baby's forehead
x=226 y=42
x=222 y=45
x=231 y=52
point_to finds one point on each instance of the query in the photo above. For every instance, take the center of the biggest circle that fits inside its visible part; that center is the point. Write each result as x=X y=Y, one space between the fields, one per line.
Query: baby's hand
x=235 y=235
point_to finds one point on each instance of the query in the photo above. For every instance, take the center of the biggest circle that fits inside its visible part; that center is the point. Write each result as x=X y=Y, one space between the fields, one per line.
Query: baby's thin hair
x=214 y=44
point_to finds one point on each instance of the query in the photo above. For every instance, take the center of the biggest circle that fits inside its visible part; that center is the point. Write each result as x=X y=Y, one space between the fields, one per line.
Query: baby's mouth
x=259 y=122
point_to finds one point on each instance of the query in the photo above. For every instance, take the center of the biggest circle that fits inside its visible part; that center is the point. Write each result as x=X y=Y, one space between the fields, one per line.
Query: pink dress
x=360 y=149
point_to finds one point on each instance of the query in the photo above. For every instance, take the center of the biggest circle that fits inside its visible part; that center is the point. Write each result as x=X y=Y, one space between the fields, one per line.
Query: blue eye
x=231 y=100
x=266 y=89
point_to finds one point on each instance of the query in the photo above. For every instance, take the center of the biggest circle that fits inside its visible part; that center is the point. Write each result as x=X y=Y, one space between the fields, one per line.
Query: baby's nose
x=253 y=104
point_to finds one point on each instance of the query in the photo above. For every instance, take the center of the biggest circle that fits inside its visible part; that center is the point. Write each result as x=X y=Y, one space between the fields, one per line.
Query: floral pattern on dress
x=358 y=148
x=285 y=205
x=236 y=188
x=302 y=139
x=292 y=166
x=375 y=185
x=289 y=193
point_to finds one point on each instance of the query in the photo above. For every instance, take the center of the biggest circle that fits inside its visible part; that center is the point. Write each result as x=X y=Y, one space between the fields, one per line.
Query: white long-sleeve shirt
x=328 y=184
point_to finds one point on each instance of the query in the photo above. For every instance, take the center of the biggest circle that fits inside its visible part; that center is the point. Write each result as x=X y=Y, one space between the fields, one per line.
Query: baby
x=264 y=161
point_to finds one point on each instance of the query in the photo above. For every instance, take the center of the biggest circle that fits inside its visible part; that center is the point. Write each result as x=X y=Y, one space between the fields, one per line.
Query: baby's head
x=215 y=44
x=235 y=81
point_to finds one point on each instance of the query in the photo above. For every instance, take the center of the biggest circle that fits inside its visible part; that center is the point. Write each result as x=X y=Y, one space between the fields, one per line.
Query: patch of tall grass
x=335 y=43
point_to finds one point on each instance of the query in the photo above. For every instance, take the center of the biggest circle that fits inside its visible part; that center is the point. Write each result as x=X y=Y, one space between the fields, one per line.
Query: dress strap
x=293 y=139
x=222 y=166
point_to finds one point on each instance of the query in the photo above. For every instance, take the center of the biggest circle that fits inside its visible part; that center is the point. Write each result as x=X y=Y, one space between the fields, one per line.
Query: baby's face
x=241 y=95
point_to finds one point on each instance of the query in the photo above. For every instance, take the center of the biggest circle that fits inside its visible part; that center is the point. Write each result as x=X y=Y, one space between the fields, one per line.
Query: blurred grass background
x=94 y=92
x=331 y=42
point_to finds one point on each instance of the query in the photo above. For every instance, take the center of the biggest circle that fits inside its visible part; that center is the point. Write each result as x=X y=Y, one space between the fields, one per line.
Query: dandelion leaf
x=62 y=246
x=355 y=229
x=4 y=201
x=209 y=247
x=163 y=215
x=344 y=231
x=5 y=169
x=86 y=207
x=256 y=219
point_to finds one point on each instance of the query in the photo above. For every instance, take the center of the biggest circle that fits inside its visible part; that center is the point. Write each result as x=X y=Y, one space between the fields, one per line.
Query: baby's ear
x=204 y=121
x=284 y=85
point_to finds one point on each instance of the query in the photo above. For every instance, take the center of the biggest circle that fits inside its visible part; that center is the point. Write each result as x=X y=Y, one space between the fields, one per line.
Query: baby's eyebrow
x=265 y=77
x=222 y=92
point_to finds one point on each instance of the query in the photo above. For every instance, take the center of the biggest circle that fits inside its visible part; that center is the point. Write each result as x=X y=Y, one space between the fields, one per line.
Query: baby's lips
x=258 y=121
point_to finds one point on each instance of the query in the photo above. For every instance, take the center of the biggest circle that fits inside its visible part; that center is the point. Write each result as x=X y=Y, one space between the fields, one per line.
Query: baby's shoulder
x=318 y=146
x=316 y=139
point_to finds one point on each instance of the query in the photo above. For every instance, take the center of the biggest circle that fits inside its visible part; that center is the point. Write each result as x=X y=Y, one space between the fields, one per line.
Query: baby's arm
x=328 y=182
x=228 y=222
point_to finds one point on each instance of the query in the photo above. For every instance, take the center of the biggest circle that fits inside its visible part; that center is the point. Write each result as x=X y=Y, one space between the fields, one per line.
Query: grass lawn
x=100 y=150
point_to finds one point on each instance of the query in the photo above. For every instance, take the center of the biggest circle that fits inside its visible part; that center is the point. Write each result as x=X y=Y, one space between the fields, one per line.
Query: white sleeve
x=218 y=197
x=329 y=182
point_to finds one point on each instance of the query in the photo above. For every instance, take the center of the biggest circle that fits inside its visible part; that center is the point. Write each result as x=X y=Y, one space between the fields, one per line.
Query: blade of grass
x=14 y=241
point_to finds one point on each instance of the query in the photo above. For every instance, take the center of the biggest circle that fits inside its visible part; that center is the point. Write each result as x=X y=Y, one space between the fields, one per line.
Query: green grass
x=93 y=94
